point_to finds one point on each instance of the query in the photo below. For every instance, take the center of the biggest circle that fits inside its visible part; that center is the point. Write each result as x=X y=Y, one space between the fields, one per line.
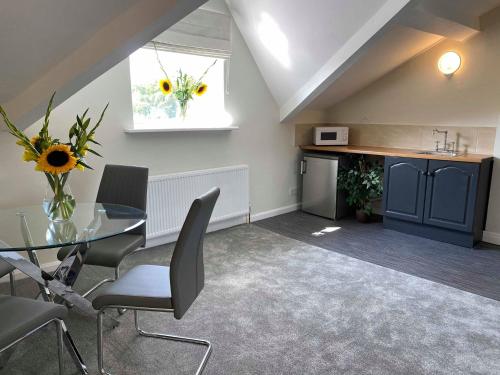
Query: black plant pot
x=362 y=216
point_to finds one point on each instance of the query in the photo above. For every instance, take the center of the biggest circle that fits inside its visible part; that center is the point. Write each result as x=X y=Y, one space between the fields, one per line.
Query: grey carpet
x=274 y=305
x=473 y=270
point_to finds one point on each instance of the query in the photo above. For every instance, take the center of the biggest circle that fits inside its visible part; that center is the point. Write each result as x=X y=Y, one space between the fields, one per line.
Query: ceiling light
x=449 y=63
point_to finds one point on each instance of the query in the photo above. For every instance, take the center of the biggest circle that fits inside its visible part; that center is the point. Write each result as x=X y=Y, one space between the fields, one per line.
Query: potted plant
x=362 y=183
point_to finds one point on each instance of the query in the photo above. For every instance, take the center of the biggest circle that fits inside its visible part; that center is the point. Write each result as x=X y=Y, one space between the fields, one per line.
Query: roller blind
x=202 y=32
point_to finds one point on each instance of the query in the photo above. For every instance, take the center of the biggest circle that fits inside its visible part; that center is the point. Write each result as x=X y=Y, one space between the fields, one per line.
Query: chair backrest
x=126 y=185
x=187 y=274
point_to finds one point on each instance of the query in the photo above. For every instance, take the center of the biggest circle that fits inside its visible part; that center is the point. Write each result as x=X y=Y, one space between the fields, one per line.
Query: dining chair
x=160 y=288
x=6 y=268
x=21 y=317
x=125 y=185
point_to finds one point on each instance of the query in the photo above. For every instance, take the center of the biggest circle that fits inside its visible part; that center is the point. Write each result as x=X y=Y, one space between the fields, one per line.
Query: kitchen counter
x=398 y=152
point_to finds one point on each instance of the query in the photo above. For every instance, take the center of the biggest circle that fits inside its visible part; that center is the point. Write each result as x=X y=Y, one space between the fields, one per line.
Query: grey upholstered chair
x=6 y=268
x=21 y=317
x=124 y=185
x=159 y=288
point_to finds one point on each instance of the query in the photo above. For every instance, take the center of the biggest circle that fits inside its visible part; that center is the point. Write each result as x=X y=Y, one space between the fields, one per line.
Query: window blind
x=202 y=32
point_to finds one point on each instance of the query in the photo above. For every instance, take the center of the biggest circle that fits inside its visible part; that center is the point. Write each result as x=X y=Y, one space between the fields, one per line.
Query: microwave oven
x=331 y=135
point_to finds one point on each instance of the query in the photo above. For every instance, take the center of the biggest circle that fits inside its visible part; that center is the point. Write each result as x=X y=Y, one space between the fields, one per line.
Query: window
x=154 y=110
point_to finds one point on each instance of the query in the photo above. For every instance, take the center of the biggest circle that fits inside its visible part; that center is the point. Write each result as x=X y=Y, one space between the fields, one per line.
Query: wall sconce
x=449 y=63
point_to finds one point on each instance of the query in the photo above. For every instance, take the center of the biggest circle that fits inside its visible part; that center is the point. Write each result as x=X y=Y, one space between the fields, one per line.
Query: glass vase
x=59 y=202
x=183 y=107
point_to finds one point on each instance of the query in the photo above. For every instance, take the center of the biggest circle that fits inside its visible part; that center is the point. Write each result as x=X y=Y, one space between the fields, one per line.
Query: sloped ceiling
x=62 y=45
x=30 y=43
x=299 y=44
x=315 y=54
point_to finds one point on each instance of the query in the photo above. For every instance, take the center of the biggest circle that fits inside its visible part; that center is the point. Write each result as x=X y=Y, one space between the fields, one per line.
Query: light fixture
x=449 y=63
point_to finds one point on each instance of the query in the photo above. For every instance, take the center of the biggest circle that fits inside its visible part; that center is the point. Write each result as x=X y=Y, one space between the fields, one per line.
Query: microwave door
x=328 y=136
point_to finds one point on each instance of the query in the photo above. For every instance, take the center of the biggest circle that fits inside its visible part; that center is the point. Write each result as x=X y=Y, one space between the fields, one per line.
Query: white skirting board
x=277 y=211
x=228 y=223
x=212 y=227
x=491 y=237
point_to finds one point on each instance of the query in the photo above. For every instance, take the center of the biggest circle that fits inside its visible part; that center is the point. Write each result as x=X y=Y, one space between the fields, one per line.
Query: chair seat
x=108 y=252
x=5 y=268
x=143 y=286
x=20 y=316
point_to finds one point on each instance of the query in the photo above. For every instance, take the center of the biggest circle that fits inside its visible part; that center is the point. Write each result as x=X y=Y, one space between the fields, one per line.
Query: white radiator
x=170 y=196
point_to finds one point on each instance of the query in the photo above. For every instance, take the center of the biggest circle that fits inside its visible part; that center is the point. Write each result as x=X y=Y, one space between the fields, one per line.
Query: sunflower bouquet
x=185 y=86
x=57 y=159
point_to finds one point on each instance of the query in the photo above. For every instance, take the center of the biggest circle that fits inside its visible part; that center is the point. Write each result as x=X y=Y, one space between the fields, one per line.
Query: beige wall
x=418 y=94
x=261 y=141
x=478 y=140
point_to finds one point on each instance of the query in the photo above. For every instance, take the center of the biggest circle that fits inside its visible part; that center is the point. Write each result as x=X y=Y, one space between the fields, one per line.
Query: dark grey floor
x=274 y=305
x=473 y=270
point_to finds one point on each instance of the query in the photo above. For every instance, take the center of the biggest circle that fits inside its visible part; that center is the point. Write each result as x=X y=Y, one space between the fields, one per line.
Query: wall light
x=449 y=63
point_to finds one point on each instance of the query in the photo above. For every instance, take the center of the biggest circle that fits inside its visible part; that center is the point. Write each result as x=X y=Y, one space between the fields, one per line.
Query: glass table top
x=28 y=228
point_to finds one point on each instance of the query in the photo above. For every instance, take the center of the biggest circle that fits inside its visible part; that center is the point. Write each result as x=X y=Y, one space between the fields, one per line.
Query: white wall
x=416 y=93
x=261 y=142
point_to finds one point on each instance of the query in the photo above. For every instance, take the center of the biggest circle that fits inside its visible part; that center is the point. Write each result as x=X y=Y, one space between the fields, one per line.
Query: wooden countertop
x=401 y=152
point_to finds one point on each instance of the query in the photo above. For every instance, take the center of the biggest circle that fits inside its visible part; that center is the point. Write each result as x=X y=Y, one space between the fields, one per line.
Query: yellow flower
x=201 y=89
x=80 y=167
x=29 y=156
x=34 y=140
x=166 y=86
x=56 y=159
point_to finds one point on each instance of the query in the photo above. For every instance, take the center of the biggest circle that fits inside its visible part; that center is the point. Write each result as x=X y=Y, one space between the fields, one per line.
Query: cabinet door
x=404 y=188
x=451 y=194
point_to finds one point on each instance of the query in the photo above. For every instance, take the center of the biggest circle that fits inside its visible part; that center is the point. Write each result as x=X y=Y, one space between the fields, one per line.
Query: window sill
x=181 y=130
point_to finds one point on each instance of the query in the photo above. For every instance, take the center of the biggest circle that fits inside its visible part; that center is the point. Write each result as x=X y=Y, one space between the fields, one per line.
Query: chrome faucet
x=448 y=148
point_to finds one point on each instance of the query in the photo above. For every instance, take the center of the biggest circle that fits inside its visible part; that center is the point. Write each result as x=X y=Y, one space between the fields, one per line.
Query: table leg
x=73 y=350
x=44 y=291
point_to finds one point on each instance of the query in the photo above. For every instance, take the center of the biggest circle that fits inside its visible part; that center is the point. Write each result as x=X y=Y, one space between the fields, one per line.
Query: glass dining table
x=27 y=230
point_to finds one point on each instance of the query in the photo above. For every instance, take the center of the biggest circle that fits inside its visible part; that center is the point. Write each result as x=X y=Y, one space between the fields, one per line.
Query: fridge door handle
x=303 y=167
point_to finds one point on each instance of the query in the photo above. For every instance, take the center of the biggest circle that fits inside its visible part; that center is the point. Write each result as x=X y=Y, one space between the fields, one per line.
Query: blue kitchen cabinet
x=404 y=188
x=437 y=199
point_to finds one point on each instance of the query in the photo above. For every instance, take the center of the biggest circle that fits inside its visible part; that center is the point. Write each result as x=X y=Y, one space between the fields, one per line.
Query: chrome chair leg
x=12 y=284
x=190 y=340
x=91 y=290
x=100 y=356
x=102 y=282
x=100 y=351
x=60 y=344
x=117 y=276
x=59 y=329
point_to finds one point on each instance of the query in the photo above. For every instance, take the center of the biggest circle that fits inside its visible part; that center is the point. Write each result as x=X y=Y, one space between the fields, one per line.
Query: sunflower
x=56 y=159
x=166 y=86
x=201 y=89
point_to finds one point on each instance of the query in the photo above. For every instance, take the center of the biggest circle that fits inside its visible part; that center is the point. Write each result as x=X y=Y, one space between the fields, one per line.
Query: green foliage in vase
x=149 y=98
x=185 y=85
x=362 y=183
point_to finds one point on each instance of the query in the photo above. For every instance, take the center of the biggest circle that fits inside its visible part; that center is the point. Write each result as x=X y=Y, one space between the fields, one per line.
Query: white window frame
x=197 y=51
